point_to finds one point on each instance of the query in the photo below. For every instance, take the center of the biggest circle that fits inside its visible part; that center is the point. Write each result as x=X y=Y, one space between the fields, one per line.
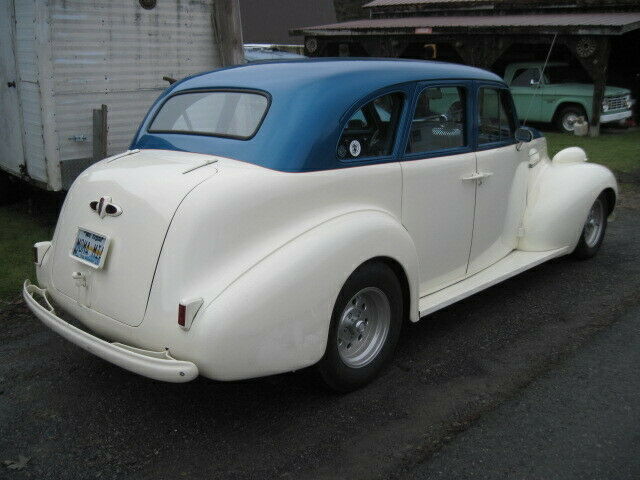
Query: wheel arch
x=403 y=279
x=564 y=103
x=611 y=197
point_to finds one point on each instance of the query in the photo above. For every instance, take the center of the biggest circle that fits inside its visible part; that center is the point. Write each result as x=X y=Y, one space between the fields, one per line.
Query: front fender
x=275 y=317
x=558 y=202
x=559 y=101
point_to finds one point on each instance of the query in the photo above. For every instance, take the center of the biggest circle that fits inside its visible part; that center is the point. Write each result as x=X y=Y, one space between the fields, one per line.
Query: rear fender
x=275 y=317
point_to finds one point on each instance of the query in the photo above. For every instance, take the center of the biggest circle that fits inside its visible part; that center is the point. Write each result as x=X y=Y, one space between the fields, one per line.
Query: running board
x=511 y=265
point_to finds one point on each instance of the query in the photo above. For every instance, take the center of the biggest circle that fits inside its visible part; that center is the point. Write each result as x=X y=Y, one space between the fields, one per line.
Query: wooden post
x=99 y=133
x=227 y=31
x=593 y=54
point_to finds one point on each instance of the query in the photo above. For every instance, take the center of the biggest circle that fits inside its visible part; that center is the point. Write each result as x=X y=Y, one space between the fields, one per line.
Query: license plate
x=90 y=248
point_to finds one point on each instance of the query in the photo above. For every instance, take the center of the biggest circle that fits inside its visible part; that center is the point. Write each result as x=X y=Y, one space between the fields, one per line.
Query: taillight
x=187 y=310
x=182 y=313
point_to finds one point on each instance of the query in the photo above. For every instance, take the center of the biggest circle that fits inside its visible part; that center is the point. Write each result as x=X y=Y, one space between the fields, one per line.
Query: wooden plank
x=100 y=133
x=227 y=29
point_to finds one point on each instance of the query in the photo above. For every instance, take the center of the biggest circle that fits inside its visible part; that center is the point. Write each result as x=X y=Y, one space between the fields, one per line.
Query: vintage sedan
x=274 y=216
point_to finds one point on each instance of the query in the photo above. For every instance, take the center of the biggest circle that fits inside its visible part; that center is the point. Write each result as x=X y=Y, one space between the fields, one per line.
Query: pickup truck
x=562 y=95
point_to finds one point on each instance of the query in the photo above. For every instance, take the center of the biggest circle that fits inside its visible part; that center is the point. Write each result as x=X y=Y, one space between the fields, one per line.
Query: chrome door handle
x=477 y=176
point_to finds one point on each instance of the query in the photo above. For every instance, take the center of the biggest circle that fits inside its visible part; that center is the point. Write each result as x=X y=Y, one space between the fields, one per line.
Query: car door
x=437 y=204
x=501 y=179
x=527 y=90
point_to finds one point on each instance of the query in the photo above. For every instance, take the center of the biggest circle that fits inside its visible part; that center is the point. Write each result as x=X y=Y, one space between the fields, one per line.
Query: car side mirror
x=524 y=135
x=534 y=83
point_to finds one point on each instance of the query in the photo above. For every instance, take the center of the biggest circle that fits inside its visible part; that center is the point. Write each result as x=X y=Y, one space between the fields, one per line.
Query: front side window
x=495 y=119
x=525 y=77
x=439 y=120
x=371 y=130
x=217 y=113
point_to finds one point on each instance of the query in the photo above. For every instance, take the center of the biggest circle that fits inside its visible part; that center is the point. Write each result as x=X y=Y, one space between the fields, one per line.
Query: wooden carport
x=478 y=39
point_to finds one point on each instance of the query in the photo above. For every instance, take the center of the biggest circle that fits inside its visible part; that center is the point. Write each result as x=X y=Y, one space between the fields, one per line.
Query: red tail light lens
x=182 y=315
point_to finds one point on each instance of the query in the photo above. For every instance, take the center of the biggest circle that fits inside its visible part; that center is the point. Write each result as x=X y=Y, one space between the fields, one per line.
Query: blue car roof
x=309 y=99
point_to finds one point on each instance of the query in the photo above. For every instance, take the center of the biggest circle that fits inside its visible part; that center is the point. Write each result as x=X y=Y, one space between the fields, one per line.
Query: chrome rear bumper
x=152 y=364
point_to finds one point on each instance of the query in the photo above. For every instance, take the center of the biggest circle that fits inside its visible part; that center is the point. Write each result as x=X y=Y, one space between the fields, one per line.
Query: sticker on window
x=355 y=148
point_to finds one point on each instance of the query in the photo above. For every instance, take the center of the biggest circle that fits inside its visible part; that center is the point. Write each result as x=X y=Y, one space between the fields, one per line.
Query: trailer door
x=11 y=150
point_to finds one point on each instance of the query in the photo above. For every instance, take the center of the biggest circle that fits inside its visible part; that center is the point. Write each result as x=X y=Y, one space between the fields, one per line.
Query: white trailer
x=61 y=59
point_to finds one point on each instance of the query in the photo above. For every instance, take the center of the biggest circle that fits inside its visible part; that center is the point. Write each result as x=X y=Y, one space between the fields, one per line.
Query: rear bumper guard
x=157 y=365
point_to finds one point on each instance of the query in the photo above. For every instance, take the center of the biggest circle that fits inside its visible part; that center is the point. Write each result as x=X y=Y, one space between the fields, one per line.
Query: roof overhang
x=565 y=23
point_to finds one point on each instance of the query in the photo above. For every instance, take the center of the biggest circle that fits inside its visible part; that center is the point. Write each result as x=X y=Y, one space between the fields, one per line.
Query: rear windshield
x=217 y=113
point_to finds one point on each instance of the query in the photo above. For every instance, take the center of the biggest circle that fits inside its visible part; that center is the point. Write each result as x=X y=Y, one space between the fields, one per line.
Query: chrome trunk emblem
x=104 y=207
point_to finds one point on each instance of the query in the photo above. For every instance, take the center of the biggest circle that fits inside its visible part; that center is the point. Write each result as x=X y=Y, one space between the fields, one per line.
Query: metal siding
x=30 y=100
x=116 y=53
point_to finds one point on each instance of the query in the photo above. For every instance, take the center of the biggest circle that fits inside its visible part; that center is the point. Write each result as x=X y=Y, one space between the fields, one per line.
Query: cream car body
x=257 y=255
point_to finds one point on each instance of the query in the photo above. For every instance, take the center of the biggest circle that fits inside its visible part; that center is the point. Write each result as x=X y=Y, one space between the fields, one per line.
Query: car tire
x=593 y=231
x=365 y=327
x=567 y=115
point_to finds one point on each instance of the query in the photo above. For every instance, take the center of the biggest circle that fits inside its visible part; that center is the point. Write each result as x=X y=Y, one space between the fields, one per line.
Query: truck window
x=524 y=76
x=495 y=117
x=438 y=121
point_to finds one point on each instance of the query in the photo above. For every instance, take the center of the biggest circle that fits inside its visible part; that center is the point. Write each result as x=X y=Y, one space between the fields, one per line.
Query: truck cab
x=561 y=95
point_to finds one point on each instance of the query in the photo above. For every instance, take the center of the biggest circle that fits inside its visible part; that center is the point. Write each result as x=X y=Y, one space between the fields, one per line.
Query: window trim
x=402 y=89
x=262 y=93
x=467 y=86
x=501 y=143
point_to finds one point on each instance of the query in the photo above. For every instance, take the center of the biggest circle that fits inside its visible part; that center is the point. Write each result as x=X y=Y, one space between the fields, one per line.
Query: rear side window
x=495 y=117
x=439 y=120
x=371 y=130
x=218 y=113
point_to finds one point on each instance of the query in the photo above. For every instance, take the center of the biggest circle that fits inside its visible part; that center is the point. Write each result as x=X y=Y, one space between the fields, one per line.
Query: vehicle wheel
x=593 y=231
x=8 y=189
x=365 y=327
x=567 y=116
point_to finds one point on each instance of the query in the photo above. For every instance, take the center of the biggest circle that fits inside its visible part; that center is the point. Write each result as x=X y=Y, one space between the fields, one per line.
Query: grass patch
x=620 y=151
x=21 y=225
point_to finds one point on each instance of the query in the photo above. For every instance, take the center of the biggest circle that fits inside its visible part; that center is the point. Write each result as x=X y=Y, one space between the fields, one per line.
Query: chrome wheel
x=568 y=121
x=364 y=326
x=594 y=224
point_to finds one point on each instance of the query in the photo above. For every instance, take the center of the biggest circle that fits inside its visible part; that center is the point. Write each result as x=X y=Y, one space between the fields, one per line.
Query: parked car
x=273 y=216
x=562 y=95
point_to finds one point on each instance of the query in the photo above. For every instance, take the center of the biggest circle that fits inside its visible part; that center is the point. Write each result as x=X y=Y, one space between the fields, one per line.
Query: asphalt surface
x=580 y=421
x=74 y=416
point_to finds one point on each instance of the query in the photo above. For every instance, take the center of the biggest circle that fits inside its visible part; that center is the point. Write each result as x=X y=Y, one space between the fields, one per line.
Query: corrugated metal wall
x=27 y=65
x=116 y=53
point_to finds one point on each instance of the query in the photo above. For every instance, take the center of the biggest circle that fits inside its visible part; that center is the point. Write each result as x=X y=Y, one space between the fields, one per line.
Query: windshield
x=218 y=113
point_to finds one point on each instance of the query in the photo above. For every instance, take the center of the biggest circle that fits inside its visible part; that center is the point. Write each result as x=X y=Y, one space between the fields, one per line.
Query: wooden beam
x=227 y=31
x=100 y=131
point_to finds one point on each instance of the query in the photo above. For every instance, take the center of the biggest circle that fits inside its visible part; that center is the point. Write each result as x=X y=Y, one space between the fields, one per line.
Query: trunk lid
x=148 y=186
